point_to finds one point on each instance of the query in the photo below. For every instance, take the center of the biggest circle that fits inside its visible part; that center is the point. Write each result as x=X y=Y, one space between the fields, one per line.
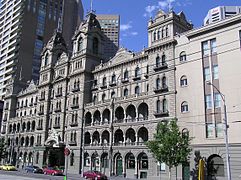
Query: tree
x=2 y=149
x=170 y=146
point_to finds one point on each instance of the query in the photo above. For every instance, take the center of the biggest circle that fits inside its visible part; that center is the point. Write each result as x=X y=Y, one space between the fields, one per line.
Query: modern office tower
x=110 y=25
x=221 y=12
x=25 y=26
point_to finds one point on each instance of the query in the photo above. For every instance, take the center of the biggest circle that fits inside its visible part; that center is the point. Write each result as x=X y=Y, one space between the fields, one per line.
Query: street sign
x=66 y=151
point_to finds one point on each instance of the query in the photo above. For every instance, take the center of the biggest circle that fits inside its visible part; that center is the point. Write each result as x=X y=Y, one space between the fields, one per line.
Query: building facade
x=105 y=112
x=110 y=25
x=221 y=12
x=21 y=46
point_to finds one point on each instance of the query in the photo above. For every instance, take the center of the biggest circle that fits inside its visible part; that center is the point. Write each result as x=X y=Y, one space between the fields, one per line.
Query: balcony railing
x=161 y=89
x=59 y=94
x=75 y=89
x=161 y=113
x=39 y=128
x=160 y=66
x=74 y=106
x=72 y=143
x=94 y=88
x=56 y=126
x=40 y=113
x=73 y=123
x=112 y=83
x=136 y=78
x=125 y=80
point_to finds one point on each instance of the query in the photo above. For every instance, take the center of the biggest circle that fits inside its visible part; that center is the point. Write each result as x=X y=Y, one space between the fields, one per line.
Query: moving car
x=8 y=167
x=52 y=171
x=33 y=169
x=94 y=175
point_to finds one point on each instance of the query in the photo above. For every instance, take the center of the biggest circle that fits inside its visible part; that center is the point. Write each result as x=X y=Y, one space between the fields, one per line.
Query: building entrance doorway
x=56 y=157
x=119 y=167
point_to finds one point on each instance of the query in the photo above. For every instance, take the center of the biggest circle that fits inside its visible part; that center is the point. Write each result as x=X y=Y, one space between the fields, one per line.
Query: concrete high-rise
x=25 y=26
x=221 y=12
x=110 y=25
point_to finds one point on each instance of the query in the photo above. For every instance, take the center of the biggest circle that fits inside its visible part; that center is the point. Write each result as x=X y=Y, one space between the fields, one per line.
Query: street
x=21 y=175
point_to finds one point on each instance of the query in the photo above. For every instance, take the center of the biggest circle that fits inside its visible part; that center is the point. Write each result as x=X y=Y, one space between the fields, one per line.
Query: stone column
x=124 y=167
x=136 y=168
x=92 y=120
x=136 y=114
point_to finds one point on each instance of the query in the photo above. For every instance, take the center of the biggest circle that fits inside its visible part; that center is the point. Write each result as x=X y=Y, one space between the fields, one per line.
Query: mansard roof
x=88 y=24
x=32 y=87
x=56 y=41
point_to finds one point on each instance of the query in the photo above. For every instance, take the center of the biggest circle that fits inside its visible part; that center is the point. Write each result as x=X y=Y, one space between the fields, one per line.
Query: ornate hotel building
x=106 y=111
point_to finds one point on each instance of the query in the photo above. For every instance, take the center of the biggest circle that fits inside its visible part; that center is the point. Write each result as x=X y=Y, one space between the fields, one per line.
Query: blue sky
x=134 y=15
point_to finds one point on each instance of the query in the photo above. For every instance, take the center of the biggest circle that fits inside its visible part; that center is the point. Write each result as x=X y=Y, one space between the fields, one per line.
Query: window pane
x=215 y=72
x=206 y=74
x=205 y=48
x=208 y=101
x=219 y=130
x=217 y=100
x=210 y=130
x=213 y=46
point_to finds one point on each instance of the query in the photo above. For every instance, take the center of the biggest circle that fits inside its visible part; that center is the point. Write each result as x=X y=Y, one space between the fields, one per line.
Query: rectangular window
x=217 y=100
x=210 y=130
x=205 y=48
x=219 y=130
x=207 y=74
x=208 y=100
x=213 y=46
x=215 y=72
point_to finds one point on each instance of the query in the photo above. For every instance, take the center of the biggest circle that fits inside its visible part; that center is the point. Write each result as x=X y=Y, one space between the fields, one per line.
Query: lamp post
x=225 y=129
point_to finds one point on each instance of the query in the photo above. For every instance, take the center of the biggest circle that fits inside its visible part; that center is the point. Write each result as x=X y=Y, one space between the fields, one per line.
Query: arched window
x=80 y=44
x=104 y=81
x=158 y=82
x=158 y=106
x=164 y=105
x=182 y=56
x=126 y=74
x=163 y=59
x=158 y=34
x=167 y=34
x=125 y=92
x=154 y=36
x=184 y=107
x=137 y=72
x=112 y=94
x=113 y=79
x=103 y=97
x=137 y=90
x=164 y=82
x=95 y=45
x=158 y=62
x=215 y=166
x=46 y=59
x=95 y=99
x=183 y=81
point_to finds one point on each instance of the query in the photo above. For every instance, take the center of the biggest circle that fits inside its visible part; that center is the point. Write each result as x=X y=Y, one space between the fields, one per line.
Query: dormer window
x=46 y=59
x=126 y=74
x=113 y=79
x=80 y=44
x=137 y=72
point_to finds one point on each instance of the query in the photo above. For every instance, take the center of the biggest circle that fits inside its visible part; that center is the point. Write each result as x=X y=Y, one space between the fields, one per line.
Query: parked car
x=33 y=169
x=52 y=171
x=8 y=167
x=94 y=175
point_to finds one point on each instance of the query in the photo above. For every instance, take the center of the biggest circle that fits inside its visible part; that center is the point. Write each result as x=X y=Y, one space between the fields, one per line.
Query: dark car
x=94 y=175
x=33 y=169
x=53 y=171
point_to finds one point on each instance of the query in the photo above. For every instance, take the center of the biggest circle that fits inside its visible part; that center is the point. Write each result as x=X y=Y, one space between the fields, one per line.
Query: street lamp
x=225 y=129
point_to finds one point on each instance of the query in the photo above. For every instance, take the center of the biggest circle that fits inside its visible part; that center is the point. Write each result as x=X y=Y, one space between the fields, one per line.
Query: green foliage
x=170 y=146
